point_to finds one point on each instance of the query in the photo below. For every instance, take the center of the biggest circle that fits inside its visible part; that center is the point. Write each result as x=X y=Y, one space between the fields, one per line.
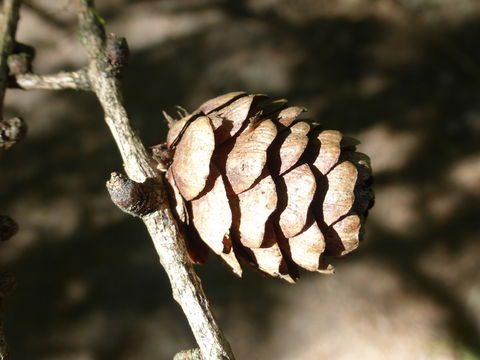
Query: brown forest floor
x=402 y=76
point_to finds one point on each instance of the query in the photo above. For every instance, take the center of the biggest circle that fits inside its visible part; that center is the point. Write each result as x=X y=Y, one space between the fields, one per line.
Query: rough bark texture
x=77 y=80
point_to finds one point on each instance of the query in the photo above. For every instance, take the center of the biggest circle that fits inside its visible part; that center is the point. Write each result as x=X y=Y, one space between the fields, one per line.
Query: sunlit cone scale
x=258 y=186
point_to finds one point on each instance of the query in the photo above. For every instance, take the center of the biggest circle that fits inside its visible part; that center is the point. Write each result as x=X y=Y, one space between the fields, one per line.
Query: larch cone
x=256 y=185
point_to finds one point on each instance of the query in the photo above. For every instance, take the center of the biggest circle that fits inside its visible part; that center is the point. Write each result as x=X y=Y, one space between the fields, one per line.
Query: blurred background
x=402 y=76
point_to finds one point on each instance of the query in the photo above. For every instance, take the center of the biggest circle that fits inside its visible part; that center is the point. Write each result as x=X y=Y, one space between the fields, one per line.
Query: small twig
x=77 y=80
x=103 y=70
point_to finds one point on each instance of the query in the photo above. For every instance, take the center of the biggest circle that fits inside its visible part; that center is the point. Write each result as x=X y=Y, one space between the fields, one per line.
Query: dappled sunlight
x=401 y=76
x=389 y=149
x=396 y=210
x=465 y=175
x=52 y=221
x=320 y=312
x=444 y=203
x=159 y=27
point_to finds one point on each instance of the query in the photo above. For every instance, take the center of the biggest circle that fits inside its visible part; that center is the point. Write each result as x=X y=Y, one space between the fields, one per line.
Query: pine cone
x=259 y=186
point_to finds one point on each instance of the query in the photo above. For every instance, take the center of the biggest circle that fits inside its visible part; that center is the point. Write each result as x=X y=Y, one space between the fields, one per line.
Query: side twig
x=77 y=80
x=107 y=56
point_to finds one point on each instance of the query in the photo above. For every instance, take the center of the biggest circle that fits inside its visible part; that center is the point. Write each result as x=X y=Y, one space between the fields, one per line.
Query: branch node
x=137 y=199
x=11 y=131
x=118 y=52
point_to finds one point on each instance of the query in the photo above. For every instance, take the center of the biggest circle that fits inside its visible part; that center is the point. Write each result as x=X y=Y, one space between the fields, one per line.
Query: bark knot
x=137 y=199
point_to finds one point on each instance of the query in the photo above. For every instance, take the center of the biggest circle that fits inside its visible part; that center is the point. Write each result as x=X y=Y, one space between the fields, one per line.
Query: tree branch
x=105 y=64
x=77 y=80
x=8 y=28
x=11 y=130
x=8 y=133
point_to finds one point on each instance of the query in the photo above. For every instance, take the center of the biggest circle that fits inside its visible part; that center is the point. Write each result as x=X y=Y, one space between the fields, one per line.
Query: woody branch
x=107 y=58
